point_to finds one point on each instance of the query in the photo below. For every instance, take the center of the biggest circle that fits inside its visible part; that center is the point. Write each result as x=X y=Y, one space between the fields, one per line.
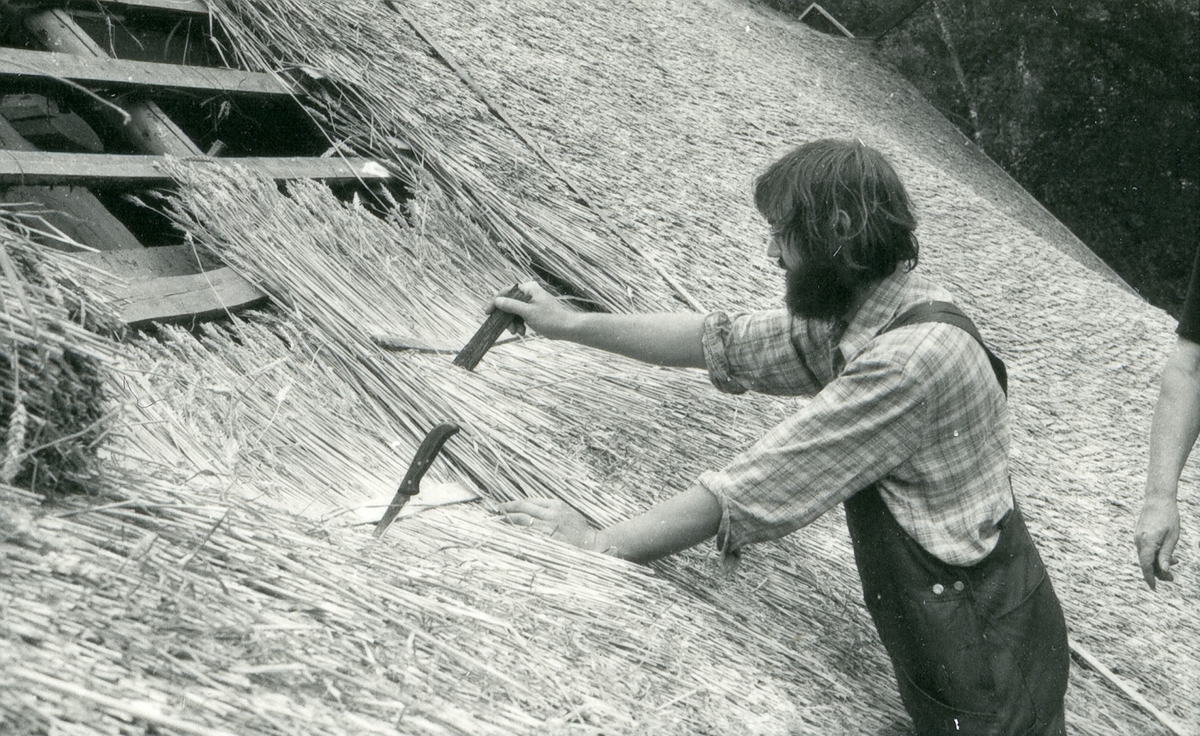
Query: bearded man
x=907 y=427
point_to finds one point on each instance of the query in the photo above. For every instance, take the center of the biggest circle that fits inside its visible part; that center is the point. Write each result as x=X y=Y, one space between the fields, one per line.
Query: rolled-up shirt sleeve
x=861 y=426
x=754 y=352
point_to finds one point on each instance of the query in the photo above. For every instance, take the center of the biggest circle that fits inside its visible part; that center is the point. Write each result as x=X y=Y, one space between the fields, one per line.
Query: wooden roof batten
x=194 y=7
x=44 y=168
x=160 y=288
x=110 y=72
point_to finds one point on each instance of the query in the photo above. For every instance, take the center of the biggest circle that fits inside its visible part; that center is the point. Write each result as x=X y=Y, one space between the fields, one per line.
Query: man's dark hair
x=840 y=204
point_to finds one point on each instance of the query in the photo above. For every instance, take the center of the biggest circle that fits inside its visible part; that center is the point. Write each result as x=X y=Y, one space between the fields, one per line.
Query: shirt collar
x=879 y=308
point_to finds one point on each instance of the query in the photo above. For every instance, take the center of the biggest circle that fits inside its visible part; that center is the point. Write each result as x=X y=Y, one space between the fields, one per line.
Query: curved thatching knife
x=411 y=485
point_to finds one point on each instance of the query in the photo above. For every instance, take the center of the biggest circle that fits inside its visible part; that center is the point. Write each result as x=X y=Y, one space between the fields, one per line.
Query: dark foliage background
x=1090 y=104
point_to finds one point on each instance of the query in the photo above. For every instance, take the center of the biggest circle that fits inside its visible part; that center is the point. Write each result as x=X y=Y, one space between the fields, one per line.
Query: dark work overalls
x=978 y=650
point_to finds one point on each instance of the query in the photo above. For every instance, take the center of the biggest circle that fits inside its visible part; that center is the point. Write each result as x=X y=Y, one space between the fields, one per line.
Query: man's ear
x=841 y=224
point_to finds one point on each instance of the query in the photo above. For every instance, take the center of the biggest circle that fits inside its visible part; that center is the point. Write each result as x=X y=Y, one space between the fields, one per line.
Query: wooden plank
x=18 y=63
x=173 y=283
x=172 y=6
x=42 y=168
x=146 y=264
x=173 y=298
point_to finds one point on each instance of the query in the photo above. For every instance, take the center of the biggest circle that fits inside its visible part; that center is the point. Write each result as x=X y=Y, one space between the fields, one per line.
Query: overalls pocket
x=950 y=660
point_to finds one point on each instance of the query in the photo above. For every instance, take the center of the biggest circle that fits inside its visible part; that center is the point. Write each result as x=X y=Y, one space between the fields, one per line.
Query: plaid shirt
x=916 y=410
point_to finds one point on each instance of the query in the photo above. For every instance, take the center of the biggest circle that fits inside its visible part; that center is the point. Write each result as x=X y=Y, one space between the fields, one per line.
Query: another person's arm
x=1173 y=432
x=669 y=339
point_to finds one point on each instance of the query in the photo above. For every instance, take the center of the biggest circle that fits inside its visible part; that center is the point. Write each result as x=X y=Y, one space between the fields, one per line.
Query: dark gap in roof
x=242 y=125
x=197 y=325
x=223 y=124
x=566 y=289
x=231 y=126
x=158 y=36
x=385 y=200
x=59 y=118
x=48 y=120
x=137 y=210
x=13 y=33
x=20 y=100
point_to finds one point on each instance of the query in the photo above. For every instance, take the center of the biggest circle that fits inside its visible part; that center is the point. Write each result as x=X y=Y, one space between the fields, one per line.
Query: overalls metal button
x=938 y=588
x=958 y=585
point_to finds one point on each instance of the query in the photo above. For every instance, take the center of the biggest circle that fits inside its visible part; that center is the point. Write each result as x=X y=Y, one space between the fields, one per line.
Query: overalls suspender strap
x=978 y=650
x=952 y=315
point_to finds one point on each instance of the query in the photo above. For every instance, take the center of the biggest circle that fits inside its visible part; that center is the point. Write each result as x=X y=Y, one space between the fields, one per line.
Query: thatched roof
x=214 y=578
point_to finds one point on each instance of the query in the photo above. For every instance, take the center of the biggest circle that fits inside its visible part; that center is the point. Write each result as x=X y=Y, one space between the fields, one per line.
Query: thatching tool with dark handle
x=494 y=326
x=411 y=485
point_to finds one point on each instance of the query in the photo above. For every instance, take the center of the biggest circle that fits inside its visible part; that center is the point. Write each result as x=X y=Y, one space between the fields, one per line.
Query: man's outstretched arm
x=674 y=525
x=670 y=339
x=1173 y=432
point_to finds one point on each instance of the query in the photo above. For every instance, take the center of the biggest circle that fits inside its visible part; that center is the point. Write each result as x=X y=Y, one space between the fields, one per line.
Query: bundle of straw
x=52 y=398
x=396 y=102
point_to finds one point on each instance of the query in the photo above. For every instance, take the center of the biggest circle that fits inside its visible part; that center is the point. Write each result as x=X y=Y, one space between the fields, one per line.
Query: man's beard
x=818 y=292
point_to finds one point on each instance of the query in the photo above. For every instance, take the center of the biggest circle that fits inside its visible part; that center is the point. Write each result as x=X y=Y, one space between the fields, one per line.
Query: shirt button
x=938 y=588
x=959 y=585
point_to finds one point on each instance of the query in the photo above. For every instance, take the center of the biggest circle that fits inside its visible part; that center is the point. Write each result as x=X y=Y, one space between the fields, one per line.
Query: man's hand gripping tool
x=411 y=485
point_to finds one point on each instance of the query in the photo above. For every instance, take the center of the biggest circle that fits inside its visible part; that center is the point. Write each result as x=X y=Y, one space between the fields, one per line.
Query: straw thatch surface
x=213 y=581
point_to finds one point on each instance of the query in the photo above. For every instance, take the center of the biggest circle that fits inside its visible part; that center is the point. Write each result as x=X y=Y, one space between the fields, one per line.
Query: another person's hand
x=544 y=312
x=1155 y=536
x=555 y=518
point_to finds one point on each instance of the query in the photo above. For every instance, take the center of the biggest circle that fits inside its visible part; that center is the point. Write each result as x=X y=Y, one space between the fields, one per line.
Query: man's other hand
x=553 y=517
x=1155 y=536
